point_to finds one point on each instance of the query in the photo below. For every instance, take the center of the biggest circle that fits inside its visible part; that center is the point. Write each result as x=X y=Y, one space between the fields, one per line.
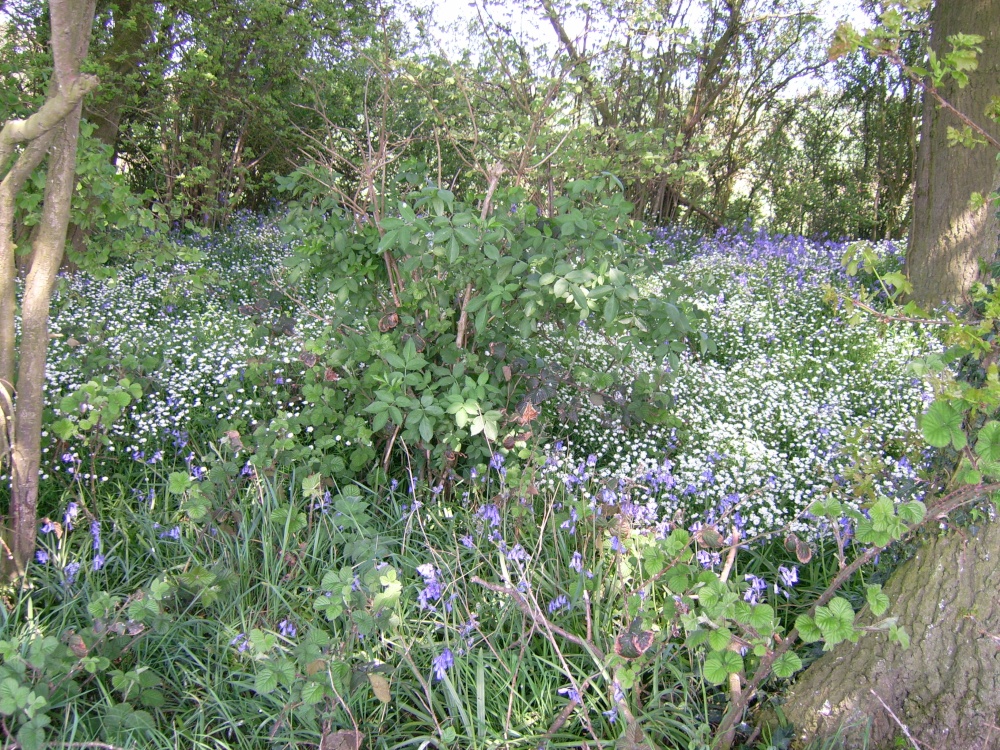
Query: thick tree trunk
x=946 y=687
x=949 y=237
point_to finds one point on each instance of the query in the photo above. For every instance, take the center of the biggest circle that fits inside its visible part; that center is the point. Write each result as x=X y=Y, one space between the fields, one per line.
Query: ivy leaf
x=878 y=602
x=786 y=665
x=941 y=424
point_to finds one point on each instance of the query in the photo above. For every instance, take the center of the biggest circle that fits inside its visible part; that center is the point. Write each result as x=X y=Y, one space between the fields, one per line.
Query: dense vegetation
x=521 y=395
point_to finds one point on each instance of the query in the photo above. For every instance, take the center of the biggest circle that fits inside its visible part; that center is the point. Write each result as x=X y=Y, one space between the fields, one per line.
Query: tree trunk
x=946 y=687
x=949 y=237
x=71 y=25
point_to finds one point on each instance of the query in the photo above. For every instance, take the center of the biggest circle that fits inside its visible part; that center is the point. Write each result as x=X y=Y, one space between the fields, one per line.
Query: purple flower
x=517 y=553
x=42 y=557
x=616 y=545
x=71 y=571
x=708 y=559
x=442 y=663
x=757 y=587
x=287 y=628
x=570 y=692
x=173 y=532
x=98 y=561
x=468 y=542
x=95 y=532
x=72 y=511
x=560 y=602
x=576 y=563
x=611 y=715
x=496 y=461
x=48 y=527
x=241 y=642
x=490 y=513
x=789 y=576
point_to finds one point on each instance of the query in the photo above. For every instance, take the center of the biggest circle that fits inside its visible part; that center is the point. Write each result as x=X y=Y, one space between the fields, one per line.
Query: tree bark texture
x=949 y=237
x=946 y=687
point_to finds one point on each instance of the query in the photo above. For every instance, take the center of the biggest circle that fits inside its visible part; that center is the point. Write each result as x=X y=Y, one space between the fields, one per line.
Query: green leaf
x=31 y=736
x=179 y=482
x=912 y=512
x=988 y=442
x=762 y=618
x=267 y=679
x=786 y=665
x=808 y=631
x=941 y=424
x=314 y=692
x=720 y=664
x=878 y=602
x=719 y=639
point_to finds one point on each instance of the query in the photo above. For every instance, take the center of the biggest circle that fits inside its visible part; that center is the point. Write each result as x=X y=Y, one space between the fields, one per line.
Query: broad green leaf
x=941 y=424
x=878 y=602
x=808 y=631
x=720 y=664
x=988 y=441
x=719 y=639
x=787 y=664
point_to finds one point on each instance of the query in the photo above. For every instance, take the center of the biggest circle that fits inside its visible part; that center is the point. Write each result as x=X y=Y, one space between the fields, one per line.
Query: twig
x=902 y=726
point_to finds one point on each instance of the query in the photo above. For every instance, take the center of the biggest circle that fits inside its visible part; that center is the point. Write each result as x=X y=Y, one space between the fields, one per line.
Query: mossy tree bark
x=949 y=236
x=54 y=129
x=946 y=687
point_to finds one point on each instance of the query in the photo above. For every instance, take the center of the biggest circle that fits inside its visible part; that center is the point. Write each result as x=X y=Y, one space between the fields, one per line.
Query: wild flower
x=442 y=663
x=41 y=556
x=287 y=628
x=576 y=562
x=570 y=692
x=755 y=590
x=559 y=603
x=70 y=572
x=98 y=561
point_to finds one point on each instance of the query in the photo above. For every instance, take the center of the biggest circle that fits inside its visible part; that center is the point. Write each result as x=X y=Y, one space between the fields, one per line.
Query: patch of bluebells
x=432 y=590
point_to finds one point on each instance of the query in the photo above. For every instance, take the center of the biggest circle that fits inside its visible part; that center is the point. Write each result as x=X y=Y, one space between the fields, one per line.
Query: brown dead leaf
x=342 y=739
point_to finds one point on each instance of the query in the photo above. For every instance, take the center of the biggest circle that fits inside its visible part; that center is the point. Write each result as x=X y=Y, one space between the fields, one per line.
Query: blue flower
x=42 y=557
x=442 y=663
x=496 y=461
x=570 y=692
x=287 y=628
x=71 y=571
x=560 y=602
x=576 y=563
x=98 y=561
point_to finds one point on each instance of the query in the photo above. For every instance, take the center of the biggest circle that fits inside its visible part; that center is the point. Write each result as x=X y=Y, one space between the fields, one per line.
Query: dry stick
x=902 y=726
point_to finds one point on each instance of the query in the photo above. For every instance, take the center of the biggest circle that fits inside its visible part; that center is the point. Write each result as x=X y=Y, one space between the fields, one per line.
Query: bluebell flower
x=71 y=571
x=576 y=562
x=497 y=461
x=287 y=628
x=442 y=663
x=570 y=692
x=41 y=557
x=95 y=533
x=560 y=602
x=98 y=561
x=757 y=587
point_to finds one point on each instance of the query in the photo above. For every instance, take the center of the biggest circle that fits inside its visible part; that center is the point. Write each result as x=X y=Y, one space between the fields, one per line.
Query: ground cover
x=214 y=601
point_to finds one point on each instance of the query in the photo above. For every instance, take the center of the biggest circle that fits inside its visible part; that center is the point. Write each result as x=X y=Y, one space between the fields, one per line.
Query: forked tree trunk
x=57 y=124
x=949 y=237
x=946 y=687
